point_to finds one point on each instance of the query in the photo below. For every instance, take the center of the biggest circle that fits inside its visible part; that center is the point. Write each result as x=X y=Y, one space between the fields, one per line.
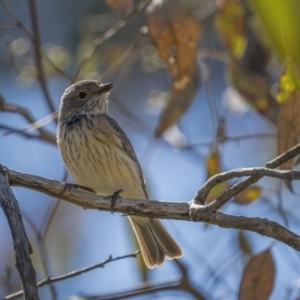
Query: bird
x=98 y=155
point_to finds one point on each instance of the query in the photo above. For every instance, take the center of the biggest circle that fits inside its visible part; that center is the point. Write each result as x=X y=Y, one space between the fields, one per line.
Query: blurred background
x=200 y=87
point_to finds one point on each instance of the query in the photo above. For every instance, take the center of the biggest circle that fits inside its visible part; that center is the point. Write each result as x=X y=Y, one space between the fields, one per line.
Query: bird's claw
x=68 y=186
x=76 y=186
x=113 y=199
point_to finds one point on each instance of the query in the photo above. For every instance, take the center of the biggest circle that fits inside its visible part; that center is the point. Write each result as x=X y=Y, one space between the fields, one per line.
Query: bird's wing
x=127 y=147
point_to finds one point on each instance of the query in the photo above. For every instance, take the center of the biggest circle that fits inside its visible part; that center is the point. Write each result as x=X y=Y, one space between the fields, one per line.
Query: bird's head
x=84 y=97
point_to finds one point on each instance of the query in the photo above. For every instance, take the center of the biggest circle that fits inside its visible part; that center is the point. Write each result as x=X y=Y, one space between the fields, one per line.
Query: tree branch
x=222 y=177
x=45 y=135
x=164 y=210
x=38 y=59
x=22 y=246
x=10 y=130
x=240 y=186
x=147 y=288
x=18 y=24
x=50 y=279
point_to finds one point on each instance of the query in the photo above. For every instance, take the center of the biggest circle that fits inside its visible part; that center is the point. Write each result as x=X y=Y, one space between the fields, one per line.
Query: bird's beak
x=105 y=87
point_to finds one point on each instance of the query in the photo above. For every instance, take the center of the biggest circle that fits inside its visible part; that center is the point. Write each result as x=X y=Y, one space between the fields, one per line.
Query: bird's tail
x=155 y=241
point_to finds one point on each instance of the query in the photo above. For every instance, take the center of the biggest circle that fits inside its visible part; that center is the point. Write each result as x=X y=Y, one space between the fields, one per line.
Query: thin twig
x=25 y=112
x=43 y=252
x=280 y=205
x=50 y=279
x=50 y=217
x=108 y=34
x=10 y=130
x=18 y=24
x=225 y=176
x=38 y=59
x=8 y=25
x=125 y=56
x=182 y=284
x=238 y=187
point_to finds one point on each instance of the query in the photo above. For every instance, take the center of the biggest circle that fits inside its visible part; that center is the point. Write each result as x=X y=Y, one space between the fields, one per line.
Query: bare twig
x=38 y=59
x=50 y=216
x=10 y=130
x=8 y=25
x=222 y=177
x=182 y=284
x=108 y=34
x=50 y=279
x=22 y=246
x=42 y=251
x=23 y=111
x=250 y=136
x=19 y=24
x=41 y=122
x=280 y=205
x=126 y=55
x=238 y=187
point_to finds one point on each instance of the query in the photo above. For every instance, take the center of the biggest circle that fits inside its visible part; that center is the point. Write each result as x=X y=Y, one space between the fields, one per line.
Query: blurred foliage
x=248 y=195
x=244 y=243
x=122 y=7
x=230 y=24
x=282 y=23
x=288 y=96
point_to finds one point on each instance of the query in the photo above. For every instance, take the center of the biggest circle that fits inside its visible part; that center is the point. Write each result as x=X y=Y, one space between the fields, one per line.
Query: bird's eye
x=82 y=95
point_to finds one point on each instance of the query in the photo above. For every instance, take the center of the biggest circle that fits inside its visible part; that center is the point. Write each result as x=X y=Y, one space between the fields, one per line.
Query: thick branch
x=164 y=210
x=22 y=246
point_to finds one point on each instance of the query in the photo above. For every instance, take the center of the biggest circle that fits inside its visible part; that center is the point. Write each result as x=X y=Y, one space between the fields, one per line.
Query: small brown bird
x=98 y=155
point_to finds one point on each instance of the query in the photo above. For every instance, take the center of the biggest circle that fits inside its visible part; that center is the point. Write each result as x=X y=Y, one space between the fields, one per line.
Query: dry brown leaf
x=177 y=104
x=230 y=24
x=121 y=7
x=175 y=33
x=248 y=195
x=255 y=89
x=289 y=120
x=258 y=278
x=289 y=126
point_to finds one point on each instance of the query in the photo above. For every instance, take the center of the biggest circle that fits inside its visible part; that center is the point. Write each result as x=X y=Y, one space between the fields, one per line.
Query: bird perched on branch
x=98 y=155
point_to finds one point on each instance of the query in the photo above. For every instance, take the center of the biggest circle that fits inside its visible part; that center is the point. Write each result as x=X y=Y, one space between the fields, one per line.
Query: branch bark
x=22 y=246
x=240 y=186
x=163 y=210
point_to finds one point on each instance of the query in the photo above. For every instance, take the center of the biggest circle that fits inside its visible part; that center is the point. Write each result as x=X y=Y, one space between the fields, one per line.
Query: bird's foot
x=113 y=199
